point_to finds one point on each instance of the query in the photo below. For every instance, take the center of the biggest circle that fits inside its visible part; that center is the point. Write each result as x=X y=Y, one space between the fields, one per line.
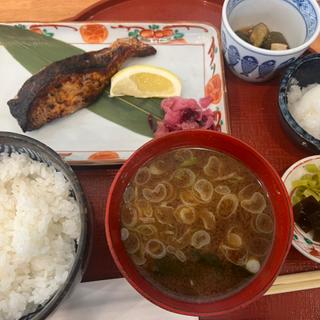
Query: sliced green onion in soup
x=227 y=206
x=142 y=176
x=183 y=178
x=147 y=220
x=168 y=237
x=185 y=214
x=164 y=214
x=147 y=230
x=222 y=189
x=132 y=243
x=155 y=249
x=247 y=191
x=180 y=255
x=129 y=217
x=158 y=167
x=139 y=258
x=231 y=176
x=264 y=223
x=255 y=204
x=171 y=192
x=238 y=257
x=183 y=154
x=128 y=195
x=188 y=198
x=169 y=232
x=200 y=239
x=213 y=167
x=208 y=218
x=203 y=189
x=144 y=208
x=171 y=249
x=185 y=239
x=156 y=195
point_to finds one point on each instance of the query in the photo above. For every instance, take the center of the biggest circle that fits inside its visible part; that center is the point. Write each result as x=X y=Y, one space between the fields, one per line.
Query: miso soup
x=197 y=223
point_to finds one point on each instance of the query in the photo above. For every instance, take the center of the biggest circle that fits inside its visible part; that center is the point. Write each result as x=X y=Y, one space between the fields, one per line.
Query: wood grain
x=44 y=10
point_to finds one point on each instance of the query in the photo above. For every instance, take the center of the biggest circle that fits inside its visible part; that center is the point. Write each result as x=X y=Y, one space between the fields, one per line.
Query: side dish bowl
x=305 y=71
x=256 y=164
x=298 y=21
x=16 y=143
x=302 y=241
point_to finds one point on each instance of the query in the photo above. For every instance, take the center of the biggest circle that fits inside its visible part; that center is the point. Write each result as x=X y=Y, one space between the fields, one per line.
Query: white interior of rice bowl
x=39 y=224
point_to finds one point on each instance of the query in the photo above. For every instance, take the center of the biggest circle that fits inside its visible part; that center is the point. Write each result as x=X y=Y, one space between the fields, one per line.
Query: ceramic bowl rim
x=83 y=243
x=257 y=286
x=283 y=100
x=279 y=53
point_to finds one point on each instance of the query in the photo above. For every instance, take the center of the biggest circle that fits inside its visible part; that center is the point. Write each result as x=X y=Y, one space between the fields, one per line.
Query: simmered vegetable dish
x=260 y=36
x=197 y=223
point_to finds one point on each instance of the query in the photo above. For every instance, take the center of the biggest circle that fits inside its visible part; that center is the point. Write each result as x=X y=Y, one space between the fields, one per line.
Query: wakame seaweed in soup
x=196 y=223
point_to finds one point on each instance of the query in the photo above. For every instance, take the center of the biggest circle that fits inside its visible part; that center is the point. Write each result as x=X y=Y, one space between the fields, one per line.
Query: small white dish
x=302 y=241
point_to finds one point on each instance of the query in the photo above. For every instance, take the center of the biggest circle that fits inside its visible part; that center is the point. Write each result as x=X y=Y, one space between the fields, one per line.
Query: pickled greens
x=308 y=185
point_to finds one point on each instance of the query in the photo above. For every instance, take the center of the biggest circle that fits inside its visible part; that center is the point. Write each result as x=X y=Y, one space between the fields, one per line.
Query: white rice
x=39 y=222
x=304 y=105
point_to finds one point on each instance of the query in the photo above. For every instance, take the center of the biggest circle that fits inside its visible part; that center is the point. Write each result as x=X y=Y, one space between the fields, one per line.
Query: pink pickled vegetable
x=183 y=114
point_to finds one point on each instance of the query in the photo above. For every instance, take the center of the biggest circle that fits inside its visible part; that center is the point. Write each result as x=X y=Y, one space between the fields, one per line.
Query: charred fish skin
x=68 y=85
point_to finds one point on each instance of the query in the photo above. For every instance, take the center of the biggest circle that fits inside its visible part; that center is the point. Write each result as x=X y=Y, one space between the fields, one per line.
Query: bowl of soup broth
x=198 y=222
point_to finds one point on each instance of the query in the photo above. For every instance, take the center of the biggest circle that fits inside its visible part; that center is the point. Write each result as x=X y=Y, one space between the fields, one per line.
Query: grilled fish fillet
x=68 y=85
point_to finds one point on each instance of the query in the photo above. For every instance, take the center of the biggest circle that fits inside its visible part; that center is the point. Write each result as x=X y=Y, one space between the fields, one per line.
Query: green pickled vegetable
x=308 y=185
x=312 y=168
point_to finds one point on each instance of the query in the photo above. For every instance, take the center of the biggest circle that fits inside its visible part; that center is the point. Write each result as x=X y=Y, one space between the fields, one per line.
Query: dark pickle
x=307 y=216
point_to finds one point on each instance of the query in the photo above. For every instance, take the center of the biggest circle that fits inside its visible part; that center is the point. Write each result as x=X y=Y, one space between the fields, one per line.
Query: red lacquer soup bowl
x=252 y=160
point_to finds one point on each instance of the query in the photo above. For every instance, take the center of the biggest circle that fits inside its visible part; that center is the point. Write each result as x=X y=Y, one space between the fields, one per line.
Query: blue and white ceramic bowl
x=298 y=20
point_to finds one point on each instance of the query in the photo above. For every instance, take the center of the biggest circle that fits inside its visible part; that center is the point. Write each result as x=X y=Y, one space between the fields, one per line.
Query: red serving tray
x=254 y=118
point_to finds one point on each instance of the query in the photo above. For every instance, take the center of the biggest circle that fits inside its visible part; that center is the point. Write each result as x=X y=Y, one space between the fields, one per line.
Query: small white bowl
x=302 y=241
x=298 y=20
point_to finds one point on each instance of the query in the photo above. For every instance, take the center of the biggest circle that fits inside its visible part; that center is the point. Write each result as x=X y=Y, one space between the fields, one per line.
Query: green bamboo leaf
x=35 y=52
x=32 y=50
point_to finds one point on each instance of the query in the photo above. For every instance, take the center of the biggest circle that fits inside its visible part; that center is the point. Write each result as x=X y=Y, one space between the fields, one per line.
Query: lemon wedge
x=144 y=81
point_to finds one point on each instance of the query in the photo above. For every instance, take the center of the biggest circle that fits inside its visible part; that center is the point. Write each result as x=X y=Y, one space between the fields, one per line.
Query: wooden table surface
x=43 y=10
x=294 y=306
